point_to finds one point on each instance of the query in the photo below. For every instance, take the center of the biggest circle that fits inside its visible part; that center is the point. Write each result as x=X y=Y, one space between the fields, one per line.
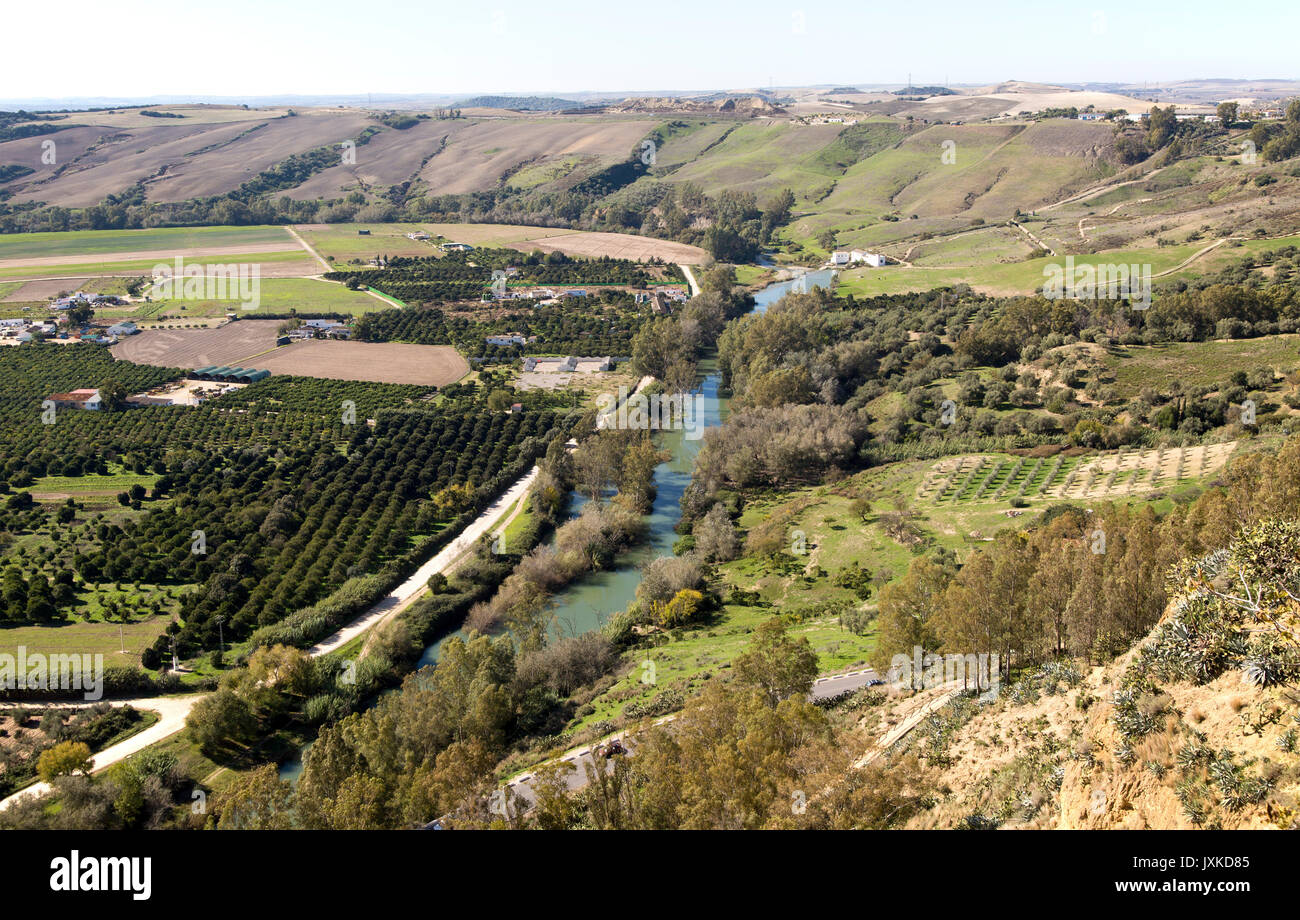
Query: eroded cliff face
x=1072 y=750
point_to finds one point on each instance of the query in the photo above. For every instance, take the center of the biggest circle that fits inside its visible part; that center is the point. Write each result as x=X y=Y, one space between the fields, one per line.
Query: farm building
x=510 y=338
x=874 y=259
x=76 y=399
x=457 y=247
x=126 y=328
x=230 y=374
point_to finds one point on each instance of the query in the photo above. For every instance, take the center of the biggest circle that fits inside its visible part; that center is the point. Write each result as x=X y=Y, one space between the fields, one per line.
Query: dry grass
x=478 y=157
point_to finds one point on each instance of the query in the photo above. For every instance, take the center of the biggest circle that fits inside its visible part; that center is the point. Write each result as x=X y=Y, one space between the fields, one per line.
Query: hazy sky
x=269 y=47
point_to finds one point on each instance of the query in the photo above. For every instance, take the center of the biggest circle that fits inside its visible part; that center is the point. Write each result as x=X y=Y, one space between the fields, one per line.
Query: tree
x=260 y=800
x=728 y=761
x=683 y=608
x=1227 y=112
x=715 y=536
x=222 y=723
x=907 y=611
x=1162 y=126
x=80 y=314
x=776 y=664
x=64 y=759
x=554 y=809
x=777 y=211
x=112 y=395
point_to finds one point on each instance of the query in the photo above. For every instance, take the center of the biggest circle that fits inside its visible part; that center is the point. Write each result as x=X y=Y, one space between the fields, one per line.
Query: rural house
x=76 y=399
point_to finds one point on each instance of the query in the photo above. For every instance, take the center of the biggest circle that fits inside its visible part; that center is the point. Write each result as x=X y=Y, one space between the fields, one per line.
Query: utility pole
x=221 y=634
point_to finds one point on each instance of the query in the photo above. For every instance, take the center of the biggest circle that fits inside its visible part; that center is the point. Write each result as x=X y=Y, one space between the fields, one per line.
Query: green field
x=277 y=295
x=90 y=638
x=144 y=267
x=342 y=243
x=107 y=242
x=91 y=486
x=1198 y=363
x=689 y=658
x=998 y=278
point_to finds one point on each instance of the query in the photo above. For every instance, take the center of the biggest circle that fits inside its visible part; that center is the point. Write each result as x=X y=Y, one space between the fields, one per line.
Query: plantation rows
x=281 y=534
x=977 y=479
x=594 y=328
x=290 y=501
x=464 y=276
x=279 y=412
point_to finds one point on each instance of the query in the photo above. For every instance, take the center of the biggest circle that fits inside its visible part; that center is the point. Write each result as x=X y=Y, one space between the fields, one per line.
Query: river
x=588 y=602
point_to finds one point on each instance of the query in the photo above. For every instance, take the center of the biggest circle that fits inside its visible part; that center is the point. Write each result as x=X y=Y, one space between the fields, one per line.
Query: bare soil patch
x=379 y=362
x=222 y=345
x=615 y=245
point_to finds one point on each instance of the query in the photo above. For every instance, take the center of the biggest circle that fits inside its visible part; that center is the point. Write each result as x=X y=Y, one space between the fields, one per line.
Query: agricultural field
x=381 y=362
x=615 y=246
x=228 y=345
x=286 y=263
x=342 y=244
x=63 y=260
x=482 y=154
x=1112 y=476
x=88 y=543
x=84 y=244
x=275 y=295
x=996 y=278
x=251 y=343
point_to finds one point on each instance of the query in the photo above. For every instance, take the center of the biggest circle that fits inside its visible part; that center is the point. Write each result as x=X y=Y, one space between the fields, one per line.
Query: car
x=875 y=682
x=612 y=749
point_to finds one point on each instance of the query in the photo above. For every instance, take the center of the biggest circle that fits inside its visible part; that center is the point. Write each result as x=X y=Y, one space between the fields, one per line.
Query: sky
x=134 y=48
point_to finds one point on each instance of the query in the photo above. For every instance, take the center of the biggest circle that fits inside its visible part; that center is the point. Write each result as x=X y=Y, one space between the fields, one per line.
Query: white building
x=509 y=339
x=874 y=259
